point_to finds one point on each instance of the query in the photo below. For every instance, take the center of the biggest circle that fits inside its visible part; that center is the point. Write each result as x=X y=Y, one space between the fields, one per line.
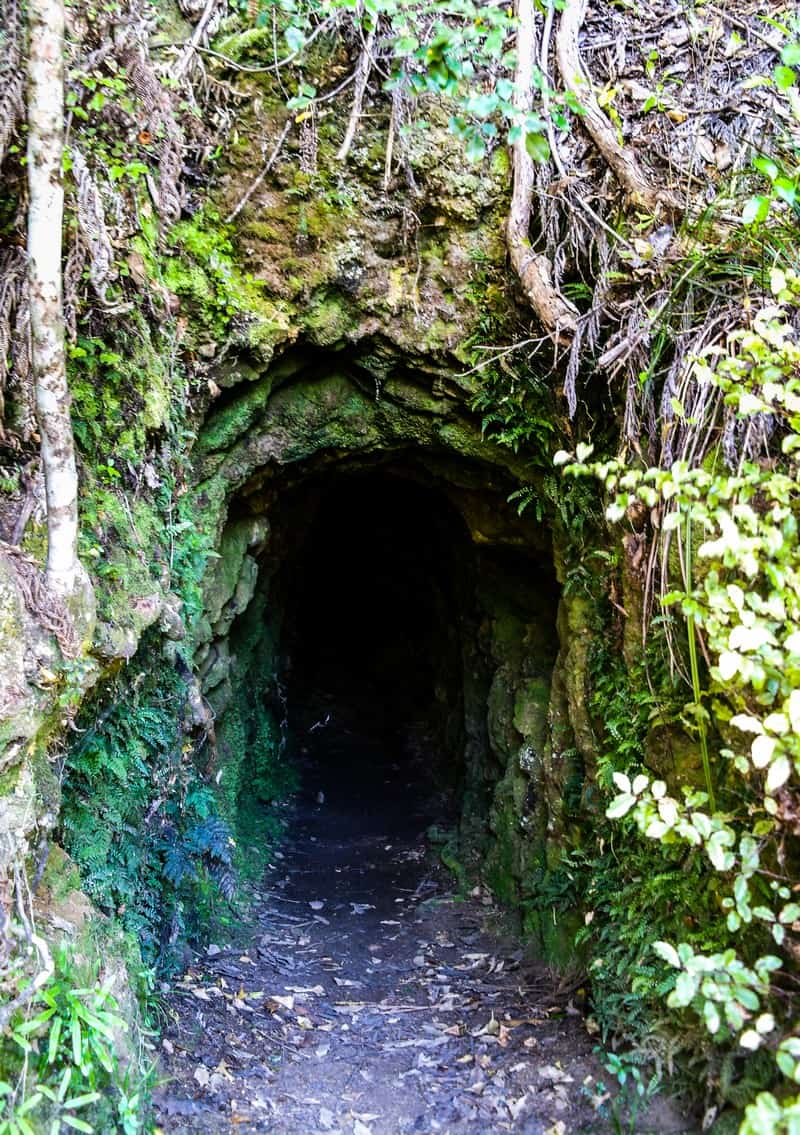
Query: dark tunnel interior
x=398 y=638
x=374 y=595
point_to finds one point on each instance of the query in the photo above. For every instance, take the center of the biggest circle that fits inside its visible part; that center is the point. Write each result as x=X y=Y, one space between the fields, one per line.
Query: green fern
x=139 y=821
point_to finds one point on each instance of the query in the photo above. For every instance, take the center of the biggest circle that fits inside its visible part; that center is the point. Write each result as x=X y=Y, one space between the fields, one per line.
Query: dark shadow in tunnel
x=373 y=599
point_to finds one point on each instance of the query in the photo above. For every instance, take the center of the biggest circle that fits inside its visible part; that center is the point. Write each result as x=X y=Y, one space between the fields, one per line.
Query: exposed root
x=284 y=134
x=12 y=73
x=22 y=930
x=48 y=609
x=557 y=314
x=163 y=123
x=363 y=69
x=620 y=159
x=92 y=222
x=187 y=55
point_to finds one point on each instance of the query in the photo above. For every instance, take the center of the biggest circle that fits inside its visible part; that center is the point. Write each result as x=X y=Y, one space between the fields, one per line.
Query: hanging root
x=363 y=69
x=557 y=314
x=620 y=159
x=12 y=74
x=162 y=123
x=92 y=224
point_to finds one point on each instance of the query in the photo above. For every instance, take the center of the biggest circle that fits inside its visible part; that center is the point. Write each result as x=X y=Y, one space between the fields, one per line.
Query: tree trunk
x=558 y=316
x=46 y=210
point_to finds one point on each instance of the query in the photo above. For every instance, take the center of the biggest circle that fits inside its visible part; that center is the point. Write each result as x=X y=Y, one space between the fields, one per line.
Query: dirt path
x=372 y=1001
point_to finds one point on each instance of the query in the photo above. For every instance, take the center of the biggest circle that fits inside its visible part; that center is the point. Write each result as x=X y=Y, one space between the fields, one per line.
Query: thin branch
x=265 y=171
x=363 y=70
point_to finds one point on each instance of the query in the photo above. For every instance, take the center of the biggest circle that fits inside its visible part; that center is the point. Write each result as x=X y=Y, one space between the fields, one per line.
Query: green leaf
x=668 y=953
x=711 y=1016
x=295 y=40
x=476 y=148
x=755 y=210
x=53 y=1039
x=537 y=146
x=784 y=78
x=78 y=1124
x=77 y=1041
x=620 y=806
x=75 y=1102
x=786 y=189
x=767 y=166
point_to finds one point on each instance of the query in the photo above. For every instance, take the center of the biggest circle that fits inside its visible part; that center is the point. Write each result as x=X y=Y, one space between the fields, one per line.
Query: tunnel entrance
x=405 y=619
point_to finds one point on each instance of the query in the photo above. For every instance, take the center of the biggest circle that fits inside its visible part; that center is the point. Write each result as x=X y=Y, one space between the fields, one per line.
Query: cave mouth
x=374 y=591
x=386 y=621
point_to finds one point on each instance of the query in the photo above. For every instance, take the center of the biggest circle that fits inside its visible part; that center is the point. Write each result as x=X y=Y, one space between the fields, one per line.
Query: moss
x=227 y=425
x=329 y=318
x=61 y=876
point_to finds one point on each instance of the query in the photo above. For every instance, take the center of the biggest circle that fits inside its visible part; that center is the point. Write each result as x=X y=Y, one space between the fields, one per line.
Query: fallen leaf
x=555 y=1075
x=491 y=1028
x=515 y=1106
x=360 y=1128
x=317 y=904
x=202 y=1075
x=284 y=1002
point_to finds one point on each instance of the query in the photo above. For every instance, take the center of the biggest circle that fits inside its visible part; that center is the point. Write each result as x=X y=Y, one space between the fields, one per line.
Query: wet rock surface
x=372 y=998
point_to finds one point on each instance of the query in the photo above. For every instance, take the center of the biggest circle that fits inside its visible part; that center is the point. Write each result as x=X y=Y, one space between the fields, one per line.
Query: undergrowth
x=73 y=1058
x=138 y=819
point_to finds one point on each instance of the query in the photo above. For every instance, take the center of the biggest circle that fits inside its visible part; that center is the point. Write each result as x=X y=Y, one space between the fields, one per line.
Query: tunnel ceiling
x=315 y=410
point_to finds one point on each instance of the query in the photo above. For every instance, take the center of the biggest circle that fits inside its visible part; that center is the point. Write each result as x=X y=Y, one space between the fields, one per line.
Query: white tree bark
x=46 y=211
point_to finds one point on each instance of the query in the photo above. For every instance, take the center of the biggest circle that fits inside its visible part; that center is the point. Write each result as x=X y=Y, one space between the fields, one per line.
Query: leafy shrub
x=741 y=591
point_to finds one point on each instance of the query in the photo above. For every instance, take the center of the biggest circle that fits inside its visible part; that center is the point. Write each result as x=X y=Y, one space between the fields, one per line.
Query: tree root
x=556 y=313
x=619 y=158
x=363 y=69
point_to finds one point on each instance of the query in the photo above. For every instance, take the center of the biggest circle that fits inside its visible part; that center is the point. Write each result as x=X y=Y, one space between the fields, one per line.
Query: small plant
x=624 y=1104
x=62 y=1069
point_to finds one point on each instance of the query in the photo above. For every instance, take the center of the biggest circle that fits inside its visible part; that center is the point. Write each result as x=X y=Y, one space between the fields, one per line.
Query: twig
x=259 y=180
x=185 y=57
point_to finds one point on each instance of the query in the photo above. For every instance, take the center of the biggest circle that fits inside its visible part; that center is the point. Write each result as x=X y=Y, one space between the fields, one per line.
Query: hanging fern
x=137 y=818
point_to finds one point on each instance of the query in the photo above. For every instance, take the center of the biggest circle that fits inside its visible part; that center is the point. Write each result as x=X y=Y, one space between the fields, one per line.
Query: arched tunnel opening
x=407 y=615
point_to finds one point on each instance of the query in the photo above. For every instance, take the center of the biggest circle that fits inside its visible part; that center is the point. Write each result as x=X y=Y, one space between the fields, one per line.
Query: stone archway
x=360 y=431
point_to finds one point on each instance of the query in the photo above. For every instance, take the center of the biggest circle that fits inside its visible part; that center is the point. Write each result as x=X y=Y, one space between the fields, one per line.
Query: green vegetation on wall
x=138 y=818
